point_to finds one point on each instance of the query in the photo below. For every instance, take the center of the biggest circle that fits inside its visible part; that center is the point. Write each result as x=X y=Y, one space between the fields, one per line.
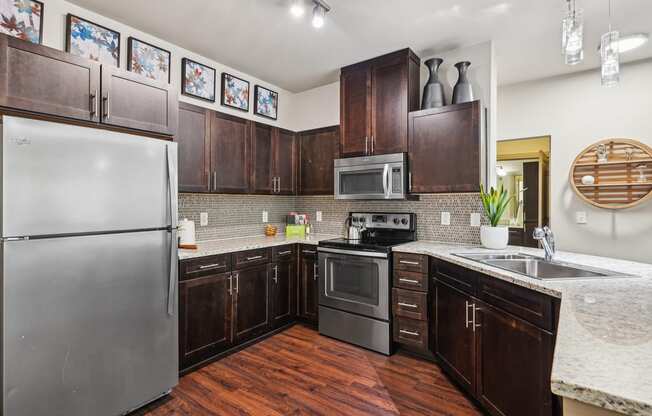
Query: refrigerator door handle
x=172 y=281
x=171 y=156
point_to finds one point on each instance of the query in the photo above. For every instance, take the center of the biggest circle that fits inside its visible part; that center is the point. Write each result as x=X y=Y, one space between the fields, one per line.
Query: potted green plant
x=495 y=203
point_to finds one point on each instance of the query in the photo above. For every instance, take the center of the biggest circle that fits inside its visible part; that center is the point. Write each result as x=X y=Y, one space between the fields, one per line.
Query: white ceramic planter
x=495 y=238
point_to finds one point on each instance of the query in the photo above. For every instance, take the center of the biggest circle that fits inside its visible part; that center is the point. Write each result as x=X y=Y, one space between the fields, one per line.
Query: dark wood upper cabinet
x=445 y=149
x=193 y=138
x=262 y=158
x=285 y=161
x=133 y=101
x=230 y=151
x=375 y=99
x=43 y=80
x=251 y=305
x=204 y=318
x=317 y=151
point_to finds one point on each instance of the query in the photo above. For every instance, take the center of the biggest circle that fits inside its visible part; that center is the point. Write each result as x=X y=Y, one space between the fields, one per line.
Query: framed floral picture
x=265 y=102
x=148 y=60
x=92 y=41
x=197 y=80
x=235 y=92
x=22 y=19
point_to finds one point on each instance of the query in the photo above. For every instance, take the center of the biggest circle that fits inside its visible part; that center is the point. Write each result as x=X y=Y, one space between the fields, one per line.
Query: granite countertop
x=603 y=352
x=231 y=245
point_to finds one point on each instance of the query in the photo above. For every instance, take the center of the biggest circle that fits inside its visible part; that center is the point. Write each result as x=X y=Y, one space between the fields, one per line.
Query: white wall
x=54 y=33
x=315 y=108
x=576 y=112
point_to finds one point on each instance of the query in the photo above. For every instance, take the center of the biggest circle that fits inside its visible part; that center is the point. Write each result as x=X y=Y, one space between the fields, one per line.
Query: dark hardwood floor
x=299 y=372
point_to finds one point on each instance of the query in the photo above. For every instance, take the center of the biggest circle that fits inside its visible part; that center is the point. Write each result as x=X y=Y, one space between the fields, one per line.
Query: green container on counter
x=295 y=231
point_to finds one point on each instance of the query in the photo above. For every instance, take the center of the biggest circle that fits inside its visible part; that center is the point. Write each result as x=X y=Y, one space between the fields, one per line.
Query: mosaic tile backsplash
x=241 y=215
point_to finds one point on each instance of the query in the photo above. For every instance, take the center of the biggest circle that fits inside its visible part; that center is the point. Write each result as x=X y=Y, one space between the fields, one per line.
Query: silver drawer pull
x=416 y=282
x=408 y=305
x=411 y=263
x=406 y=332
x=283 y=253
x=309 y=252
x=210 y=266
x=254 y=258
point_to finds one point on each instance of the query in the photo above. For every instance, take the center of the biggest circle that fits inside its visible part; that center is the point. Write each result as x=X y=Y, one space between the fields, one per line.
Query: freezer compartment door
x=62 y=179
x=86 y=329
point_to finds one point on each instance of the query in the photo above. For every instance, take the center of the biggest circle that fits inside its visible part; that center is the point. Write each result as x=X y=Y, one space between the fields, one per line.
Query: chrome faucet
x=547 y=239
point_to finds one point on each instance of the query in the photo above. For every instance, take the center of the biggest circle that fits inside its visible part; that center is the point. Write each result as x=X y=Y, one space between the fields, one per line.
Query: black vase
x=433 y=91
x=462 y=93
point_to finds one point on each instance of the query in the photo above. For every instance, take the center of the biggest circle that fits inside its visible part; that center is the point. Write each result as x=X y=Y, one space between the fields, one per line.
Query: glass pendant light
x=610 y=56
x=572 y=37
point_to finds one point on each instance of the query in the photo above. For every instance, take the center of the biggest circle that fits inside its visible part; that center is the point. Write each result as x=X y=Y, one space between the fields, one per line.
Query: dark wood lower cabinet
x=308 y=286
x=251 y=302
x=283 y=292
x=204 y=318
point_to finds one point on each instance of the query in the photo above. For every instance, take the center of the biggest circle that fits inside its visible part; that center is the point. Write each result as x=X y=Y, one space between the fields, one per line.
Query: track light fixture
x=297 y=8
x=320 y=8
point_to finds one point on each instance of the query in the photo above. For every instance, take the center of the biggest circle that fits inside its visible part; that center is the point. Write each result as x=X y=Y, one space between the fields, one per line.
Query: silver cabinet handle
x=309 y=252
x=210 y=266
x=230 y=284
x=416 y=282
x=107 y=110
x=475 y=309
x=214 y=180
x=209 y=182
x=315 y=272
x=408 y=305
x=237 y=283
x=466 y=313
x=93 y=99
x=278 y=184
x=411 y=263
x=283 y=253
x=254 y=258
x=372 y=144
x=403 y=331
x=366 y=145
x=410 y=181
x=275 y=275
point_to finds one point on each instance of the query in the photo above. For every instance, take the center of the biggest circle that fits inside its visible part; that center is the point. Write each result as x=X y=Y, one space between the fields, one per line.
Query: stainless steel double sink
x=539 y=268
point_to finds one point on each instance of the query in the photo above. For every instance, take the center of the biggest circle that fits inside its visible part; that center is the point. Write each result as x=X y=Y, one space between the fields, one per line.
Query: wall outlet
x=580 y=217
x=445 y=218
x=265 y=216
x=475 y=219
x=319 y=217
x=203 y=219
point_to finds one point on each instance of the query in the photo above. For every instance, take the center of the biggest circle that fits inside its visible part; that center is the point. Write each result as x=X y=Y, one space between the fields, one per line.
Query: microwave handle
x=386 y=187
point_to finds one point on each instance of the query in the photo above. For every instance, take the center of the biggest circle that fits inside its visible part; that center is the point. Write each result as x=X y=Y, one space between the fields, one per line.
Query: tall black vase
x=462 y=93
x=433 y=91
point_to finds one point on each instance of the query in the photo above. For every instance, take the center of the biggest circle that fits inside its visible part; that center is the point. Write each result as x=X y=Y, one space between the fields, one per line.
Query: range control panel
x=383 y=220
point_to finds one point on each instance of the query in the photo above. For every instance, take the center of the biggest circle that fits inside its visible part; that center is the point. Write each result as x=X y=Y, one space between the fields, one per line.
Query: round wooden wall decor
x=613 y=173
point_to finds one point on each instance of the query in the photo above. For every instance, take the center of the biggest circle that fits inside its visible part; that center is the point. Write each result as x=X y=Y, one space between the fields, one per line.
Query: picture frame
x=92 y=41
x=198 y=80
x=142 y=59
x=265 y=102
x=20 y=23
x=235 y=92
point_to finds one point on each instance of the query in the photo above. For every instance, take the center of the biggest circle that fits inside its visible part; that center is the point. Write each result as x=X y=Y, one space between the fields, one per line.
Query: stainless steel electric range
x=355 y=280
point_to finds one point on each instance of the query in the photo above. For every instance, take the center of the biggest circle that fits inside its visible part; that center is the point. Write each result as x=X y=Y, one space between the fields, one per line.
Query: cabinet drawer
x=459 y=277
x=283 y=252
x=410 y=304
x=411 y=280
x=251 y=258
x=204 y=266
x=534 y=307
x=411 y=262
x=411 y=332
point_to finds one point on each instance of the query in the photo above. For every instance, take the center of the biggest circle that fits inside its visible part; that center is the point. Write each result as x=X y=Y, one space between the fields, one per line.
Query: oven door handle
x=353 y=252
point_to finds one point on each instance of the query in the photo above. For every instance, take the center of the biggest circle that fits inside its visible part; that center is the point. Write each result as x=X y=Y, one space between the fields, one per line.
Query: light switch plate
x=475 y=219
x=265 y=216
x=319 y=217
x=445 y=218
x=203 y=219
x=580 y=217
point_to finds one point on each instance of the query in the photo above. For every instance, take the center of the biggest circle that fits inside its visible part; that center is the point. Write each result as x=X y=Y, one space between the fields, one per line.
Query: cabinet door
x=251 y=291
x=389 y=106
x=204 y=318
x=514 y=363
x=133 y=101
x=308 y=287
x=39 y=79
x=230 y=150
x=531 y=202
x=262 y=159
x=283 y=291
x=318 y=149
x=444 y=146
x=285 y=152
x=355 y=111
x=193 y=137
x=454 y=337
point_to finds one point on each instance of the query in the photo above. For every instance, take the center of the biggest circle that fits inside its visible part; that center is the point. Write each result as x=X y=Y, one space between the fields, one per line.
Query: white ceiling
x=260 y=37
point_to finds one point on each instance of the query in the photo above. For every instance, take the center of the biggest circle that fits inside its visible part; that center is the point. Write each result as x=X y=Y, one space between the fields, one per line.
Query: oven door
x=355 y=281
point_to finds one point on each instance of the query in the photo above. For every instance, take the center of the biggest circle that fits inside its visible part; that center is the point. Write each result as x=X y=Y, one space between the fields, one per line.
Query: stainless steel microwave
x=371 y=177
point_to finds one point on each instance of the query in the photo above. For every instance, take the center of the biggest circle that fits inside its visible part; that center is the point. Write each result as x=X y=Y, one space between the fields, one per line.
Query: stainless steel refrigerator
x=88 y=269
